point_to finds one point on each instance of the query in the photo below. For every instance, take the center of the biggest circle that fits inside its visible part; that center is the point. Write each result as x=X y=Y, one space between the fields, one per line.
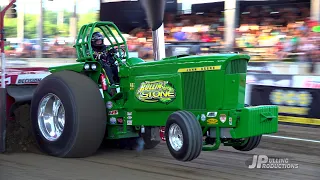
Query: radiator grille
x=237 y=66
x=194 y=90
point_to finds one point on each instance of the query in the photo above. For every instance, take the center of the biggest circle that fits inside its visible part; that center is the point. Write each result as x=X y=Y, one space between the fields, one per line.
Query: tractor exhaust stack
x=155 y=11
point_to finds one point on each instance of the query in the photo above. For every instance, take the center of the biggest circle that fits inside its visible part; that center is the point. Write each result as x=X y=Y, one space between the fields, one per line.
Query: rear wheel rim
x=51 y=117
x=175 y=137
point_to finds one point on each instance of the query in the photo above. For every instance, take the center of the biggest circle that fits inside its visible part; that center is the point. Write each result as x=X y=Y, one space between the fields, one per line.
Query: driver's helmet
x=97 y=39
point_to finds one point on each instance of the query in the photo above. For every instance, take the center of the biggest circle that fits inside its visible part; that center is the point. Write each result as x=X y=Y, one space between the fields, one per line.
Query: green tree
x=50 y=27
x=87 y=18
x=10 y=27
x=30 y=26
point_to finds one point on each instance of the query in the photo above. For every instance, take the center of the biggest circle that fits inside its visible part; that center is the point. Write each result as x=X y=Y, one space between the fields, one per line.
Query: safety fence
x=298 y=97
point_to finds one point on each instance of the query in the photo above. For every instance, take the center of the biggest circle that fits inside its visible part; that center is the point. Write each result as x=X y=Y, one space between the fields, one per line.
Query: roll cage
x=110 y=32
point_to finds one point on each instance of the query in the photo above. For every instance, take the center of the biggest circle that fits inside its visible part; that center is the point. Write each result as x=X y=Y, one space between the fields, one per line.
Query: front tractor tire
x=183 y=135
x=68 y=115
x=248 y=144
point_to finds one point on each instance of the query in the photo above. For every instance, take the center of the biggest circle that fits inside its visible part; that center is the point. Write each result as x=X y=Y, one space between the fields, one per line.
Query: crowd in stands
x=53 y=49
x=266 y=33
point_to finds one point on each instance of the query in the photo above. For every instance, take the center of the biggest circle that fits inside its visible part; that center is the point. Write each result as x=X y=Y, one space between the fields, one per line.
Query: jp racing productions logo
x=265 y=162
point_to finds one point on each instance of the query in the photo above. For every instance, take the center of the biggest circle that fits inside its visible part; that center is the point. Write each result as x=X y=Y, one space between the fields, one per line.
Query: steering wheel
x=123 y=53
x=114 y=53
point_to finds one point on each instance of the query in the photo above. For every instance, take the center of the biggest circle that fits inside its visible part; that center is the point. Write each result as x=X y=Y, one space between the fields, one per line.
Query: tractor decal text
x=24 y=81
x=156 y=91
x=30 y=78
x=195 y=69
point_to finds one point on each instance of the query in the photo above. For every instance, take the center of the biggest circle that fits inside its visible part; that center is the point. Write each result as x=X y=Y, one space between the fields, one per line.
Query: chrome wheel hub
x=175 y=137
x=51 y=117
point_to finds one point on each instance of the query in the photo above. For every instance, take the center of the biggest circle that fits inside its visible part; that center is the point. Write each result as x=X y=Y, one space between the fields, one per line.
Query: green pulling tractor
x=198 y=99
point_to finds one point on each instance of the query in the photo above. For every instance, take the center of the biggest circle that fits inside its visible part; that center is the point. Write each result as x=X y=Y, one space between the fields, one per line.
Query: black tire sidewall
x=251 y=144
x=65 y=141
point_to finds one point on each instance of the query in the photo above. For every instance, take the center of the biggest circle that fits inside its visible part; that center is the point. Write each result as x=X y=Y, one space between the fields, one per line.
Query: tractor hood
x=176 y=64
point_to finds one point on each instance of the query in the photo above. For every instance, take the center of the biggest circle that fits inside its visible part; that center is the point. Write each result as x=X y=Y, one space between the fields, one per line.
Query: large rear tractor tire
x=248 y=144
x=68 y=115
x=183 y=136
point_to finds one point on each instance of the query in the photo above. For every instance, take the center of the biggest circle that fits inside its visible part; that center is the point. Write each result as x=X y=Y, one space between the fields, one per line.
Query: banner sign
x=307 y=82
x=270 y=79
x=175 y=50
x=296 y=105
x=259 y=67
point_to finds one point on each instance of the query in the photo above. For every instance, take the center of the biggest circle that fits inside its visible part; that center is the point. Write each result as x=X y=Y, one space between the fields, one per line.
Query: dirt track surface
x=157 y=163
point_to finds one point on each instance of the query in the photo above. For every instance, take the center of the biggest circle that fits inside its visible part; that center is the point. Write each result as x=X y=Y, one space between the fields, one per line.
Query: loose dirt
x=19 y=134
x=21 y=139
x=157 y=163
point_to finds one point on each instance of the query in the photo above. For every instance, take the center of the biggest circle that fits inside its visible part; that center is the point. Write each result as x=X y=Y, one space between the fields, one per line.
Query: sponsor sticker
x=113 y=120
x=211 y=114
x=203 y=117
x=113 y=112
x=120 y=120
x=131 y=86
x=109 y=104
x=223 y=118
x=230 y=121
x=212 y=121
x=156 y=91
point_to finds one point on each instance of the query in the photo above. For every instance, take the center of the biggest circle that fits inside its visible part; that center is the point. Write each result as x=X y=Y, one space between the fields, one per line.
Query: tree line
x=50 y=27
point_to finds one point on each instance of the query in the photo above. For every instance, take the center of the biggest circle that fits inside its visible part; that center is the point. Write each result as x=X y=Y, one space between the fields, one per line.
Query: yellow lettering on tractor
x=212 y=121
x=195 y=69
x=171 y=95
x=155 y=91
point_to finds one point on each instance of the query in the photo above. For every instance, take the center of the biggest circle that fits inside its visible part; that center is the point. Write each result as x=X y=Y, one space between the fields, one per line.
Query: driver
x=104 y=57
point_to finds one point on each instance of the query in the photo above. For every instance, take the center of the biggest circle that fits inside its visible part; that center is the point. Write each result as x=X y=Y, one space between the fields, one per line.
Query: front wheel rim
x=51 y=117
x=175 y=137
